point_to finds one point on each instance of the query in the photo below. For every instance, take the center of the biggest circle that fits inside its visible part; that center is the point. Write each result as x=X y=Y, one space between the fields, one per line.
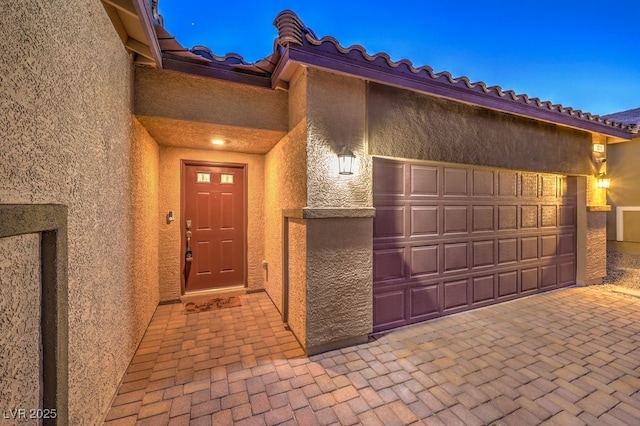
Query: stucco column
x=592 y=227
x=338 y=216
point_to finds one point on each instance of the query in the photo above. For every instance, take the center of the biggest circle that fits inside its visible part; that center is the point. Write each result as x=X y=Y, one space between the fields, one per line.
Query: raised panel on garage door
x=449 y=238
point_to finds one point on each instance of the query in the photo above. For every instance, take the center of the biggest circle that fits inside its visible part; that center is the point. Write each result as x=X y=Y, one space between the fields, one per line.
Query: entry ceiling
x=197 y=135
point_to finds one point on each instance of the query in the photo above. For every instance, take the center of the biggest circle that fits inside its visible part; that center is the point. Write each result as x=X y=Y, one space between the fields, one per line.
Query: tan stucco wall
x=297 y=271
x=339 y=250
x=143 y=296
x=339 y=281
x=631 y=228
x=170 y=170
x=622 y=168
x=251 y=117
x=68 y=137
x=20 y=321
x=336 y=117
x=596 y=265
x=411 y=125
x=285 y=186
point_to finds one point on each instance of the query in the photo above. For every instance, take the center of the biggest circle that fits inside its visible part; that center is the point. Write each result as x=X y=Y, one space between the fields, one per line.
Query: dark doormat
x=213 y=304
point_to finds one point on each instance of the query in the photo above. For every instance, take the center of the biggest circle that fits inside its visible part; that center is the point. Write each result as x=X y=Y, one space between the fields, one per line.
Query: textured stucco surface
x=285 y=186
x=339 y=280
x=233 y=107
x=143 y=295
x=338 y=251
x=20 y=322
x=622 y=168
x=297 y=270
x=336 y=117
x=170 y=170
x=596 y=265
x=410 y=125
x=68 y=135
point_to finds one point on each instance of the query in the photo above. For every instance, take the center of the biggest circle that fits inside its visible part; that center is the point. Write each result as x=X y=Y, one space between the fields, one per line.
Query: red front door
x=214 y=214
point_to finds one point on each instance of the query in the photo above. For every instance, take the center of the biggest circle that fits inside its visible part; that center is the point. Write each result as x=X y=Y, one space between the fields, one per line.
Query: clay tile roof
x=630 y=117
x=169 y=44
x=298 y=43
x=292 y=31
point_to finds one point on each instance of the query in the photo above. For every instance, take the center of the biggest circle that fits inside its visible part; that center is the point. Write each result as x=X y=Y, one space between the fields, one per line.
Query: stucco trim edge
x=337 y=212
x=50 y=221
x=598 y=208
x=620 y=219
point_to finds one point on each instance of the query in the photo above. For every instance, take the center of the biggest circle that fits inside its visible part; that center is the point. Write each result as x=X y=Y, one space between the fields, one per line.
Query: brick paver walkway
x=567 y=357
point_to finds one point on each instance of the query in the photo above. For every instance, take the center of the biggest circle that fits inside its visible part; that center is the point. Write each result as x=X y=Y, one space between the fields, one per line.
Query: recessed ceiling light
x=219 y=142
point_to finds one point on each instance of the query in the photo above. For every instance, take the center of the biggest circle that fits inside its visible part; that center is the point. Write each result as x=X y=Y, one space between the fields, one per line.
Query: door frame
x=245 y=217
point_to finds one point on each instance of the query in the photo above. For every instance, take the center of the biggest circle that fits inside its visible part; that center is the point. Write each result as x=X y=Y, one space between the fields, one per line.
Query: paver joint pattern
x=567 y=357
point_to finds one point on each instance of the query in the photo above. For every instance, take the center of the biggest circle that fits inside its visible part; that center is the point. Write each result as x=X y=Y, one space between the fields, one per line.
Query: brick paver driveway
x=567 y=357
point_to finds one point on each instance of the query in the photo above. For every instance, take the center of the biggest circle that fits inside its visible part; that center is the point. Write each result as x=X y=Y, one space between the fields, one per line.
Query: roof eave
x=212 y=70
x=319 y=59
x=144 y=14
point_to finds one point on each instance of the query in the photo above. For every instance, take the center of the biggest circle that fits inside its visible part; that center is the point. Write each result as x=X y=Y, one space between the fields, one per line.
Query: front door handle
x=189 y=254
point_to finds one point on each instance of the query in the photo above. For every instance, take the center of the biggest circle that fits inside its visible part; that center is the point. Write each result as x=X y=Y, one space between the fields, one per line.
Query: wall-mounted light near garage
x=345 y=161
x=603 y=181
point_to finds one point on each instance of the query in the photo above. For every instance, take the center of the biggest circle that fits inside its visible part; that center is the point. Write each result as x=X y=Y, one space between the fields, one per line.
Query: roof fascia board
x=327 y=61
x=144 y=14
x=212 y=71
x=124 y=6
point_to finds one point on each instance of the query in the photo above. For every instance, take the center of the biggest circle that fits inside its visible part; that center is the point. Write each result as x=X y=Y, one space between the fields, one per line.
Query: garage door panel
x=424 y=301
x=567 y=215
x=482 y=183
x=389 y=309
x=456 y=257
x=424 y=261
x=528 y=248
x=389 y=222
x=483 y=253
x=507 y=250
x=507 y=218
x=507 y=283
x=549 y=275
x=549 y=245
x=424 y=220
x=424 y=180
x=549 y=186
x=529 y=279
x=507 y=184
x=455 y=238
x=567 y=274
x=455 y=219
x=455 y=181
x=528 y=217
x=483 y=288
x=482 y=218
x=389 y=264
x=549 y=216
x=389 y=178
x=456 y=294
x=567 y=244
x=529 y=185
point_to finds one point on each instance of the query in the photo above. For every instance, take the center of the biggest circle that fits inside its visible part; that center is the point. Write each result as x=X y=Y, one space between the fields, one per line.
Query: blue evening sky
x=579 y=54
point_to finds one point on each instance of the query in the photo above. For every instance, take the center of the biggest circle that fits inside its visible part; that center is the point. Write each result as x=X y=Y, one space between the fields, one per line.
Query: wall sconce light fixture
x=345 y=161
x=602 y=181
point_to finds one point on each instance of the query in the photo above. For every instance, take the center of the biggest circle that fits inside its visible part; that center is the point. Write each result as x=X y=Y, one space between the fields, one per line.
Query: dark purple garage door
x=449 y=238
